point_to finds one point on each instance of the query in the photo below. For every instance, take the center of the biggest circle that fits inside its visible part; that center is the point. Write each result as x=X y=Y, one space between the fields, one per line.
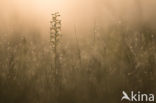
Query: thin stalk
x=77 y=42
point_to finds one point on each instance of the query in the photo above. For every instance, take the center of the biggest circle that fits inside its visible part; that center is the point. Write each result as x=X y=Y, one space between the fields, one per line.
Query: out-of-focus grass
x=120 y=59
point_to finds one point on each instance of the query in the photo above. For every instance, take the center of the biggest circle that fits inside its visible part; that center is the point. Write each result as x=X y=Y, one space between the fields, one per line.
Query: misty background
x=27 y=14
x=107 y=46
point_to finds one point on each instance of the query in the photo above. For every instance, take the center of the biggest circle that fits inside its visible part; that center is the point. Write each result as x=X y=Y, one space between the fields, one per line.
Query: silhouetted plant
x=55 y=34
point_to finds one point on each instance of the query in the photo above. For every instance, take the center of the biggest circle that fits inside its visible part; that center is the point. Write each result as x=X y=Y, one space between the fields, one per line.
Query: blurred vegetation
x=119 y=58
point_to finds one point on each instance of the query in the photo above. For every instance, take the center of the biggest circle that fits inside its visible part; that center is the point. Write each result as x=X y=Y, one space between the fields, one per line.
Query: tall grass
x=123 y=58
